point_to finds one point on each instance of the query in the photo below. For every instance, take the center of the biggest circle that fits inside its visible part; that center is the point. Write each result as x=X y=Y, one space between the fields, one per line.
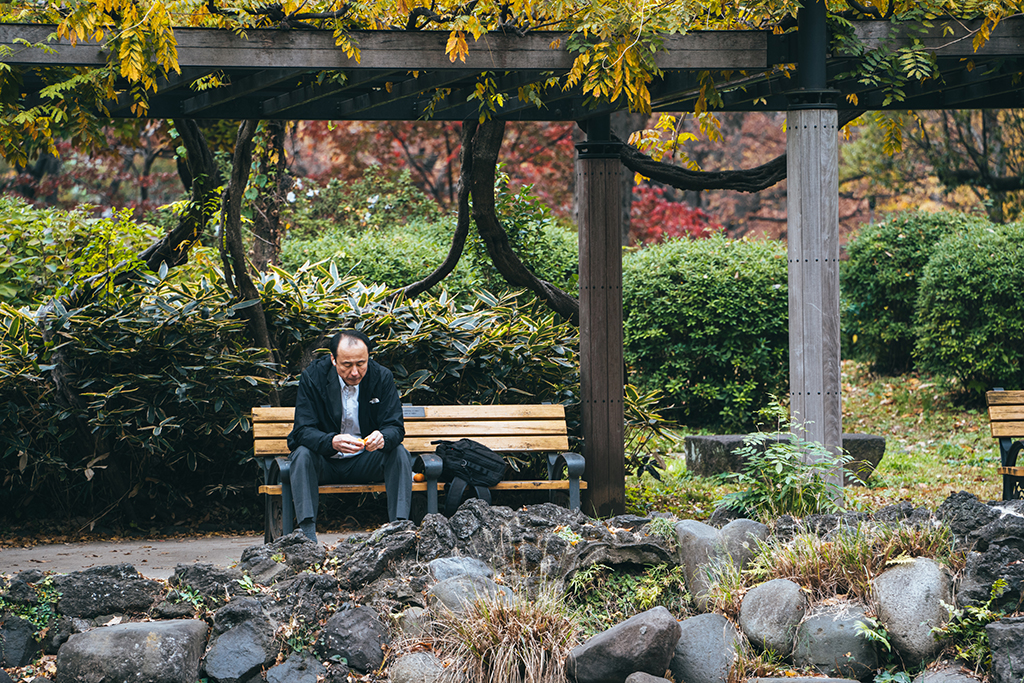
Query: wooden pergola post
x=813 y=235
x=598 y=179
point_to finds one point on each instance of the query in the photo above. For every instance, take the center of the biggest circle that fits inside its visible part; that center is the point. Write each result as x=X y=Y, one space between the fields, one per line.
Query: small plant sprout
x=247 y=584
x=965 y=629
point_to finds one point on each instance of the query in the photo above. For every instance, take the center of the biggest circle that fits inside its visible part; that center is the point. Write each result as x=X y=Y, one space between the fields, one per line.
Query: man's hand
x=375 y=441
x=346 y=443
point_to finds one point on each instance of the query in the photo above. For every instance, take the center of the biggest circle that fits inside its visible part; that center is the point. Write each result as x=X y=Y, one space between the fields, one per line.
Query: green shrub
x=48 y=250
x=880 y=285
x=970 y=312
x=706 y=321
x=164 y=377
x=395 y=256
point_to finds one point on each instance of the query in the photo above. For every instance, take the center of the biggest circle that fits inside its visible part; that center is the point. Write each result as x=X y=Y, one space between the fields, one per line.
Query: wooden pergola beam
x=411 y=50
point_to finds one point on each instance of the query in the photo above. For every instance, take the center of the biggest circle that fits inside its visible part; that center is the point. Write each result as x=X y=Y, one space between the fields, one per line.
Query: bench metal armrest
x=432 y=466
x=574 y=466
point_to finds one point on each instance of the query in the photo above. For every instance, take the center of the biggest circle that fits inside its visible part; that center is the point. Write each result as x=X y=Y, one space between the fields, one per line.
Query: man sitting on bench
x=348 y=430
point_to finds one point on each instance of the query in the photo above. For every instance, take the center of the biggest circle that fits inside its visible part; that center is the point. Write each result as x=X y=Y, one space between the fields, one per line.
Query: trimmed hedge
x=706 y=321
x=970 y=311
x=880 y=284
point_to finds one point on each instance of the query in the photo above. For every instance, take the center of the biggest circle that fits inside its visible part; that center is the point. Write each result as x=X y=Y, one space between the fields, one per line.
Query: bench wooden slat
x=486 y=412
x=1012 y=471
x=1002 y=398
x=1010 y=429
x=272 y=447
x=440 y=429
x=1006 y=412
x=559 y=485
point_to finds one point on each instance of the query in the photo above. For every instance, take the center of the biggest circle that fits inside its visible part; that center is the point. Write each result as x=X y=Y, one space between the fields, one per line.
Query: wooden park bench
x=1006 y=417
x=526 y=429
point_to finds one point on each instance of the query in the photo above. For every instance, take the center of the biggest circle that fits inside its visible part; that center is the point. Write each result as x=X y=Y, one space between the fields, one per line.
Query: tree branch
x=487 y=144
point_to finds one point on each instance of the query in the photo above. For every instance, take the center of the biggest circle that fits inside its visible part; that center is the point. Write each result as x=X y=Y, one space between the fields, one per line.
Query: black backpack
x=467 y=463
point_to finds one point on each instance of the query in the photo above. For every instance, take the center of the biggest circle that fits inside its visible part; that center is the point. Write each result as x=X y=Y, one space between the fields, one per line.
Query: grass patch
x=600 y=596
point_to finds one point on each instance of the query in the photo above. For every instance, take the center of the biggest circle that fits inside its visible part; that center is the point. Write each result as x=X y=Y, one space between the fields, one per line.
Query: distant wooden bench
x=1006 y=417
x=503 y=428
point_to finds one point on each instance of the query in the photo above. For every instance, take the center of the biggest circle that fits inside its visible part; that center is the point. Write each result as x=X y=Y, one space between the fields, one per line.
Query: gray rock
x=458 y=592
x=983 y=569
x=741 y=537
x=908 y=599
x=828 y=641
x=645 y=642
x=294 y=553
x=800 y=679
x=866 y=451
x=1006 y=638
x=641 y=677
x=359 y=565
x=770 y=614
x=146 y=652
x=946 y=674
x=436 y=537
x=58 y=633
x=308 y=598
x=418 y=667
x=20 y=590
x=414 y=622
x=963 y=513
x=18 y=646
x=239 y=653
x=355 y=635
x=105 y=590
x=706 y=649
x=446 y=567
x=699 y=545
x=216 y=584
x=236 y=612
x=5 y=678
x=300 y=667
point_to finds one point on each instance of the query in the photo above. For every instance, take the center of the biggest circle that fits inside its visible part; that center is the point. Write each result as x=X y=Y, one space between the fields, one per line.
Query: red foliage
x=655 y=218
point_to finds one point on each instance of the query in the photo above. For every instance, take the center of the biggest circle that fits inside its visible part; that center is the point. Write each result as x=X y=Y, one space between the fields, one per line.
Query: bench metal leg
x=1008 y=452
x=432 y=466
x=574 y=465
x=287 y=506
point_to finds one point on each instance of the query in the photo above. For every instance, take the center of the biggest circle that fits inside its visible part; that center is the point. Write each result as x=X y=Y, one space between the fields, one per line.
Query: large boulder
x=909 y=603
x=109 y=589
x=361 y=563
x=300 y=667
x=645 y=642
x=700 y=547
x=18 y=646
x=706 y=649
x=1006 y=638
x=448 y=567
x=741 y=538
x=285 y=557
x=216 y=585
x=963 y=513
x=243 y=643
x=829 y=641
x=146 y=652
x=418 y=667
x=770 y=614
x=355 y=635
x=459 y=592
x=945 y=674
x=307 y=598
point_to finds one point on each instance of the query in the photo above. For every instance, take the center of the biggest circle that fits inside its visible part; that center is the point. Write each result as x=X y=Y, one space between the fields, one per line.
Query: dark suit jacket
x=318 y=409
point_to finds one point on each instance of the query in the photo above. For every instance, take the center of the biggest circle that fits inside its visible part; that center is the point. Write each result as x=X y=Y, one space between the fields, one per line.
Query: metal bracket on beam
x=812 y=99
x=604 y=149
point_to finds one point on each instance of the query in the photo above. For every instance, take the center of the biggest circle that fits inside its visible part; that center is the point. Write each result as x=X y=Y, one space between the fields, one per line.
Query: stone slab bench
x=710 y=455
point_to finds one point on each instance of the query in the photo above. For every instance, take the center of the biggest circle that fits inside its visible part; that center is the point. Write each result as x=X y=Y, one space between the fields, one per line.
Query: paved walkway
x=155 y=558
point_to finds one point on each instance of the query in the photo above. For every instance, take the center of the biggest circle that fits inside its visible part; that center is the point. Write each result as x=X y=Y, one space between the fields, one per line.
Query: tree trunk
x=487 y=144
x=266 y=219
x=232 y=250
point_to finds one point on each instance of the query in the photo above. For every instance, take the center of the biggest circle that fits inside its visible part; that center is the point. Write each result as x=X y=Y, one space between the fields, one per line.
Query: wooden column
x=598 y=179
x=813 y=207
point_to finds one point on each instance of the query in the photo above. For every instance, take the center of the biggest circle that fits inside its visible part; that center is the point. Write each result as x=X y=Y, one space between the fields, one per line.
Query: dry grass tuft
x=845 y=562
x=506 y=641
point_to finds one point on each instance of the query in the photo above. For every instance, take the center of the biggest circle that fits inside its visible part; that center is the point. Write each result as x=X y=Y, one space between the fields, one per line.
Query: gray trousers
x=309 y=471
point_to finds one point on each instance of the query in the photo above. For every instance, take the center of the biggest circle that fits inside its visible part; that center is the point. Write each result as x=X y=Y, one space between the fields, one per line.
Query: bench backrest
x=508 y=428
x=1006 y=413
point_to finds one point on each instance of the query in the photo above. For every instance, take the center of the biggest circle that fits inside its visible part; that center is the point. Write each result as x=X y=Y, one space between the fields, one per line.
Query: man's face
x=350 y=361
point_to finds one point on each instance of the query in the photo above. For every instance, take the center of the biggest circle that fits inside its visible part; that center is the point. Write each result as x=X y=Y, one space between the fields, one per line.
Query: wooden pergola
x=272 y=76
